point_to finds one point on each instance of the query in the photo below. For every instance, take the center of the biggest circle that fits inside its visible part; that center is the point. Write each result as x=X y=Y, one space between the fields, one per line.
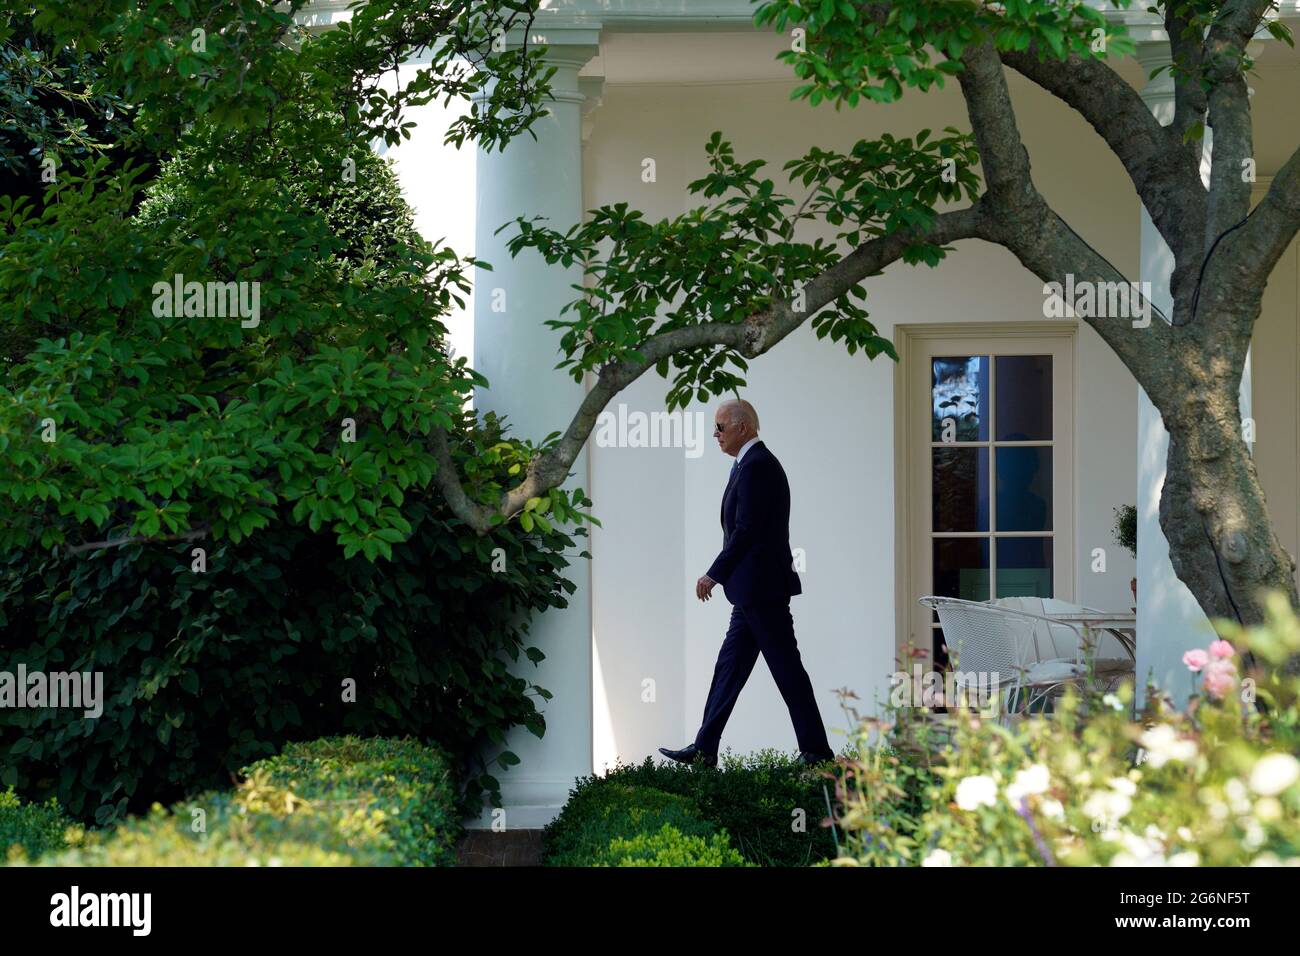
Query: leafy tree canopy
x=306 y=366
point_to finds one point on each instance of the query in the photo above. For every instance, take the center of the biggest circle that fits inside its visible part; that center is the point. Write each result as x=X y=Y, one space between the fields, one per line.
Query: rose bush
x=1213 y=783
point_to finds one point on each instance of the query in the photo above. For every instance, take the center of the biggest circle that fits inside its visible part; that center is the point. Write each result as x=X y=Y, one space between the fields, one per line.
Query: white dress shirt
x=744 y=448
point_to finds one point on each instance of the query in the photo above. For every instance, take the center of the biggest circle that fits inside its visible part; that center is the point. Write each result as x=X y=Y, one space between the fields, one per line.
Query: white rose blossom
x=1123 y=785
x=1238 y=796
x=1163 y=745
x=1274 y=773
x=1028 y=782
x=1254 y=837
x=1145 y=851
x=1106 y=805
x=977 y=791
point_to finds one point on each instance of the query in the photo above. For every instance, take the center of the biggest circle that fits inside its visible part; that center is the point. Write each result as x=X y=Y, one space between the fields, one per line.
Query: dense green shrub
x=362 y=207
x=55 y=105
x=328 y=559
x=205 y=673
x=334 y=802
x=1125 y=529
x=770 y=806
x=30 y=829
x=668 y=846
x=595 y=816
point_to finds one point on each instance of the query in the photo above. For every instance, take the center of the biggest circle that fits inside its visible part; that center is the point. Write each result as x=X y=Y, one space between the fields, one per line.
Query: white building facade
x=1069 y=434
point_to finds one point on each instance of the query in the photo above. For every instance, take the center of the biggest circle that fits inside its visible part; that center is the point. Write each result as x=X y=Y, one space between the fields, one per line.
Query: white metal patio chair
x=1110 y=660
x=1000 y=645
x=1063 y=638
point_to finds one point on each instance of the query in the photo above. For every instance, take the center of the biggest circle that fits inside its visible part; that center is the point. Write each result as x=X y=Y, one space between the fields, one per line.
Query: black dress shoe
x=812 y=760
x=691 y=754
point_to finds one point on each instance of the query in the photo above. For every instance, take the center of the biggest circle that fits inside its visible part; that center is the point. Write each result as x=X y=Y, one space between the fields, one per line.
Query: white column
x=517 y=354
x=1169 y=621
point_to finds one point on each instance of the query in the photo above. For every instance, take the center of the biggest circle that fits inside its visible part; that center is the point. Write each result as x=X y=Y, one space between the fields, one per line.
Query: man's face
x=733 y=434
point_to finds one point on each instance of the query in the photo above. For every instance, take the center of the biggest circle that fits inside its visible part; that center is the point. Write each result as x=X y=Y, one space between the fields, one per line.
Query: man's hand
x=704 y=587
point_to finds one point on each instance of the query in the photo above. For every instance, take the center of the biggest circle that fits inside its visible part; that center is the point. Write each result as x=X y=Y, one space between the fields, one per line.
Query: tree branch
x=1185 y=42
x=1025 y=224
x=1241 y=268
x=1011 y=213
x=1003 y=157
x=1229 y=114
x=193 y=535
x=1251 y=243
x=756 y=335
x=1167 y=178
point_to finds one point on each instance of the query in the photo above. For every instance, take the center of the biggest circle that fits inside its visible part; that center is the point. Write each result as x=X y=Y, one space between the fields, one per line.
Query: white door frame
x=915 y=345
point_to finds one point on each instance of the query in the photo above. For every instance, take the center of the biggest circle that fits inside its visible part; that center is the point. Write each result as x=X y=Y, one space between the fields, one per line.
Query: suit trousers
x=767 y=629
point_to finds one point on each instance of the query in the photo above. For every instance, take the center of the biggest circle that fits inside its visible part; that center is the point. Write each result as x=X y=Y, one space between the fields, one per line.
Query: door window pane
x=960 y=487
x=961 y=568
x=1024 y=482
x=959 y=390
x=992 y=441
x=939 y=652
x=1024 y=567
x=1024 y=403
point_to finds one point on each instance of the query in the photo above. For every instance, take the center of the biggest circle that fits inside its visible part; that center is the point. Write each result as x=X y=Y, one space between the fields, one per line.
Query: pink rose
x=1196 y=659
x=1220 y=677
x=1221 y=649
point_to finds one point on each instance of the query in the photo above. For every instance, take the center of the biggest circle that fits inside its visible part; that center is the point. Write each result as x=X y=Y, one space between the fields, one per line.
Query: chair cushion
x=1047 y=671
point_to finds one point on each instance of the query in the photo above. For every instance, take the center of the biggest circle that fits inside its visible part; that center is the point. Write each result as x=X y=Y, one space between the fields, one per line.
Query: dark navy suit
x=756 y=574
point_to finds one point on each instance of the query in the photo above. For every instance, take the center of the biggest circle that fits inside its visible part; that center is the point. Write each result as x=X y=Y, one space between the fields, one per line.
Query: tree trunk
x=1212 y=509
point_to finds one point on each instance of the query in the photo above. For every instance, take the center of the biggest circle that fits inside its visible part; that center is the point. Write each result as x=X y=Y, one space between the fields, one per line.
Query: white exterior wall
x=828 y=416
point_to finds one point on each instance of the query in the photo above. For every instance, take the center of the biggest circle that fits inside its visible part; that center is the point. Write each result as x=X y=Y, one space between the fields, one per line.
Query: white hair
x=741 y=411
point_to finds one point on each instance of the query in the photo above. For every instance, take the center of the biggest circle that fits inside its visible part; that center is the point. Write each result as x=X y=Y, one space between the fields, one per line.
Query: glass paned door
x=995 y=499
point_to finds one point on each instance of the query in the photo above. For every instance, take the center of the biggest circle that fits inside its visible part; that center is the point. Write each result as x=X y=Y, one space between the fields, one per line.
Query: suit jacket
x=755 y=564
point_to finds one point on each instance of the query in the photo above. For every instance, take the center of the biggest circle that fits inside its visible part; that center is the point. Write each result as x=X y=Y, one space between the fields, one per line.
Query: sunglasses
x=717 y=428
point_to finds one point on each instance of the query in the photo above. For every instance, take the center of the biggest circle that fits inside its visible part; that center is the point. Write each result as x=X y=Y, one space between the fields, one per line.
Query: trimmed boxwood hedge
x=669 y=847
x=339 y=801
x=755 y=800
x=596 y=816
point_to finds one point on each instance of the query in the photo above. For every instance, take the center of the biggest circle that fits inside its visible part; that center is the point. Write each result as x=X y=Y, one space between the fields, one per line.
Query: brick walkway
x=510 y=848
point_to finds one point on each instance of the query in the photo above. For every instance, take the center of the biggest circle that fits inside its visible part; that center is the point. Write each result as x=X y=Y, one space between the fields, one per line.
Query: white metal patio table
x=1122 y=625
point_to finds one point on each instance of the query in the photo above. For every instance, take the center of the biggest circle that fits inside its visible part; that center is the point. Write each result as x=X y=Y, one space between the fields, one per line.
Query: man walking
x=754 y=569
